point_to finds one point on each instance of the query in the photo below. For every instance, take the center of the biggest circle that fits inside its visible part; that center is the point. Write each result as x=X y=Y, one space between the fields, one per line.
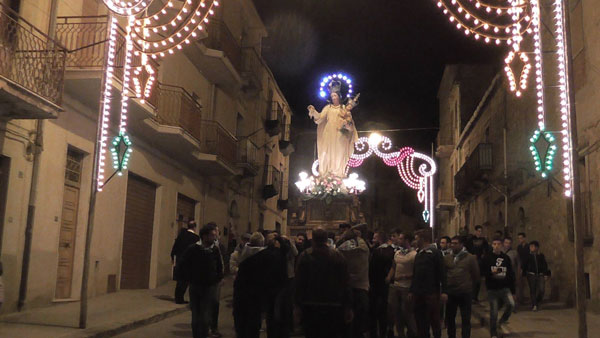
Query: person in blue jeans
x=500 y=283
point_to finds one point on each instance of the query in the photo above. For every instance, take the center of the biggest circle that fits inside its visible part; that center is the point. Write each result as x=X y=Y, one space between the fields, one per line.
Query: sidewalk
x=553 y=320
x=108 y=315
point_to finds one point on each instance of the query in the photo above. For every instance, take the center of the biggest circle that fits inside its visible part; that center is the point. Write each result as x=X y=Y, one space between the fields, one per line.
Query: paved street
x=179 y=326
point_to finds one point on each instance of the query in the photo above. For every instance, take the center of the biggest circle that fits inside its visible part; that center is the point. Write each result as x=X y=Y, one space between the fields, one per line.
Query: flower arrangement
x=327 y=187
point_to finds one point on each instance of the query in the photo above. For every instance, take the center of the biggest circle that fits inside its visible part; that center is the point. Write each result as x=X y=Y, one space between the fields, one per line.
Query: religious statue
x=336 y=132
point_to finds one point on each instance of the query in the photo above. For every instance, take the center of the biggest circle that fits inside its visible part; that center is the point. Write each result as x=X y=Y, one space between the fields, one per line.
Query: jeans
x=494 y=297
x=323 y=322
x=537 y=286
x=378 y=303
x=180 y=288
x=455 y=301
x=202 y=299
x=427 y=314
x=401 y=312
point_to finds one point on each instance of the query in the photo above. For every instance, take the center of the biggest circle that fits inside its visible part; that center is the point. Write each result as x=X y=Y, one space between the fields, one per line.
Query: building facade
x=486 y=170
x=210 y=144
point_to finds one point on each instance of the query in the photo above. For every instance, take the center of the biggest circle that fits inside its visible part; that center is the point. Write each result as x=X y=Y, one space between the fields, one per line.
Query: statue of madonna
x=336 y=132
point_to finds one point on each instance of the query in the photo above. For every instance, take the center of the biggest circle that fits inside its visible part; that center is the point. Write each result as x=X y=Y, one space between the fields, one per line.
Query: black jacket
x=259 y=278
x=429 y=272
x=505 y=278
x=523 y=251
x=382 y=258
x=182 y=242
x=535 y=264
x=478 y=246
x=200 y=265
x=322 y=278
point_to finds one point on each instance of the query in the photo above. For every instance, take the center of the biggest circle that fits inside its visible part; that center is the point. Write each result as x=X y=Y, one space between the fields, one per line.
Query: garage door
x=137 y=235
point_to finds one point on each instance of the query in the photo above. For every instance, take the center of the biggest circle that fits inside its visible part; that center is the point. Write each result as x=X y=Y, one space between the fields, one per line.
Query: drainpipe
x=506 y=186
x=37 y=149
x=213 y=100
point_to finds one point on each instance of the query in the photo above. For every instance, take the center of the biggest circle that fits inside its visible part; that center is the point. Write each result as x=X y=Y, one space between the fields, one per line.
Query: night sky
x=395 y=51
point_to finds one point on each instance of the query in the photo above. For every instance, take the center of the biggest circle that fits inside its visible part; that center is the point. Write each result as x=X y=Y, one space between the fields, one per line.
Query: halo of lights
x=327 y=80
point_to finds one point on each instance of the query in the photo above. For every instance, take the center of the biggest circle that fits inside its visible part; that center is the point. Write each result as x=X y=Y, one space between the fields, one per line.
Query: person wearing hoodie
x=535 y=268
x=202 y=267
x=356 y=251
x=428 y=286
x=322 y=295
x=463 y=272
x=260 y=276
x=500 y=283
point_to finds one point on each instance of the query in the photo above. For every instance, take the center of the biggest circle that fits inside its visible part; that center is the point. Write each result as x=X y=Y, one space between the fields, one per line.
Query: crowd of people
x=355 y=283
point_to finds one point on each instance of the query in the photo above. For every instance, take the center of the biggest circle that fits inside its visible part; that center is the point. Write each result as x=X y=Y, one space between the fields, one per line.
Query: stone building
x=486 y=170
x=209 y=144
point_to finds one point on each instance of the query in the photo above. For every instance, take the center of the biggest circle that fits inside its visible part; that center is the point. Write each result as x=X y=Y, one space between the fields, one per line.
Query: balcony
x=32 y=69
x=86 y=38
x=252 y=70
x=274 y=122
x=473 y=177
x=272 y=182
x=247 y=160
x=218 y=56
x=444 y=145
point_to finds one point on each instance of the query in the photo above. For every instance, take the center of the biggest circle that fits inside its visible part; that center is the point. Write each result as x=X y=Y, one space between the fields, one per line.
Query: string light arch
x=147 y=35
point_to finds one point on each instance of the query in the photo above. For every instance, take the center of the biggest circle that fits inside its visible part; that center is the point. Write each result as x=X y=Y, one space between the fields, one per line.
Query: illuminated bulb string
x=563 y=85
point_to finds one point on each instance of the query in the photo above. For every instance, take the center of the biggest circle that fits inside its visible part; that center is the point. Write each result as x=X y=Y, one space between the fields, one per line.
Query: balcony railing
x=220 y=38
x=272 y=181
x=247 y=152
x=30 y=58
x=176 y=107
x=473 y=175
x=86 y=38
x=218 y=141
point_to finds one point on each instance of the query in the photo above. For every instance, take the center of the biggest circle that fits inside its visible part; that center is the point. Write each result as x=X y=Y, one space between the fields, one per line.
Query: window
x=73 y=168
x=586 y=199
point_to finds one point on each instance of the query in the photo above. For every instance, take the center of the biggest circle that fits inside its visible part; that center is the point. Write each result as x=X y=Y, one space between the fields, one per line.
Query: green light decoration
x=545 y=164
x=121 y=150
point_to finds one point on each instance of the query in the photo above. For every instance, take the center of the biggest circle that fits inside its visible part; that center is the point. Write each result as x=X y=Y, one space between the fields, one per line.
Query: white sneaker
x=534 y=309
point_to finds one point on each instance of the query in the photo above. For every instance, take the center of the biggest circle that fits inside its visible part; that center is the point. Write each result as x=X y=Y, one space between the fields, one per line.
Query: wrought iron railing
x=220 y=38
x=251 y=64
x=29 y=57
x=176 y=107
x=218 y=141
x=247 y=151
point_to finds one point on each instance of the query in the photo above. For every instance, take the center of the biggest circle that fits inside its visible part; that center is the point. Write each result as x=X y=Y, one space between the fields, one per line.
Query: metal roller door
x=137 y=234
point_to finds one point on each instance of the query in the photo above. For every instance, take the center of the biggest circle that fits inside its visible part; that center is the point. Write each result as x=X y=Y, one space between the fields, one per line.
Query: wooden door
x=68 y=225
x=185 y=210
x=137 y=234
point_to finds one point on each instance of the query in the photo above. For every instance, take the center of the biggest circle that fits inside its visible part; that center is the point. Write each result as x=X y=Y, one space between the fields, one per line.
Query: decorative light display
x=121 y=150
x=545 y=164
x=404 y=160
x=151 y=35
x=497 y=22
x=326 y=81
x=330 y=186
x=563 y=84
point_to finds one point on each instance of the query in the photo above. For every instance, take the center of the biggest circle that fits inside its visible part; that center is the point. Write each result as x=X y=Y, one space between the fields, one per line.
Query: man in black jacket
x=500 y=283
x=478 y=246
x=202 y=267
x=185 y=238
x=262 y=273
x=428 y=282
x=382 y=258
x=535 y=268
x=323 y=295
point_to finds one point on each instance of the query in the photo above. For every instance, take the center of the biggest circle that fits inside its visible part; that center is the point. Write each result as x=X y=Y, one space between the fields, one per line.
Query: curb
x=137 y=324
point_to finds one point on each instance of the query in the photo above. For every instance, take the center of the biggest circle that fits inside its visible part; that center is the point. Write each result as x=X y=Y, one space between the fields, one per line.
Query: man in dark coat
x=478 y=246
x=323 y=296
x=185 y=238
x=535 y=268
x=202 y=266
x=262 y=273
x=382 y=258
